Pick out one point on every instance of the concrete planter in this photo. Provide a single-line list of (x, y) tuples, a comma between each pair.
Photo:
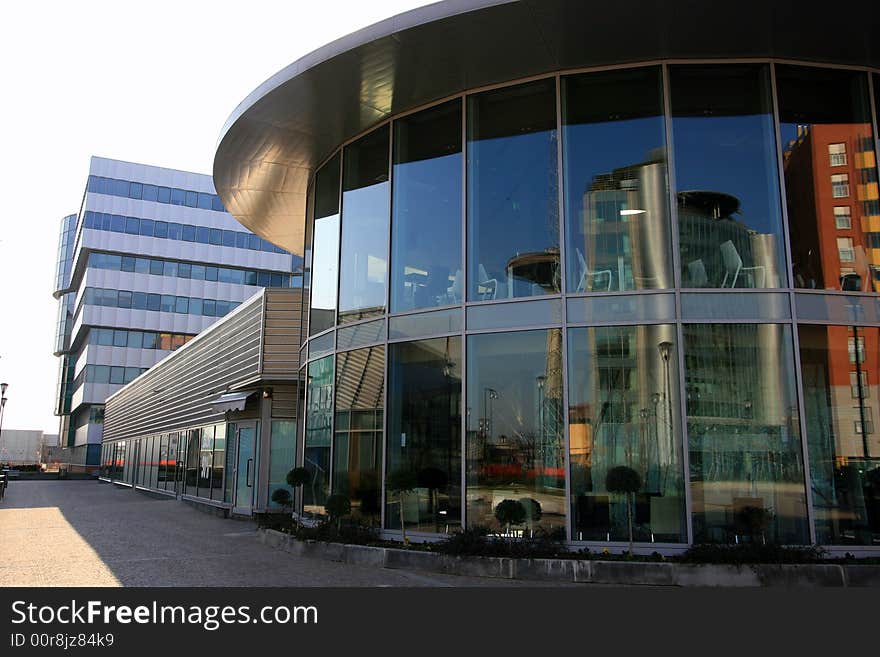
[(622, 573)]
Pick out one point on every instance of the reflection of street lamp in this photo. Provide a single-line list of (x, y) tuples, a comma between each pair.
[(665, 350), (489, 394), (3, 387)]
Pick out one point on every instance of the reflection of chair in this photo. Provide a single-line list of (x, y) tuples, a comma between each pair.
[(454, 290), (733, 265), (487, 287), (697, 273), (586, 274)]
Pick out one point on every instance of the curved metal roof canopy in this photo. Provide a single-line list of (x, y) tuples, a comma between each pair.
[(272, 141)]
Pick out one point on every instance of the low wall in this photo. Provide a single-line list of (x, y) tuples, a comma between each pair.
[(581, 570)]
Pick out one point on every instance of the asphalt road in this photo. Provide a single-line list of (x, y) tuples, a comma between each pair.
[(85, 533)]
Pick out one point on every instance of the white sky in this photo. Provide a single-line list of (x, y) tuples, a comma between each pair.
[(149, 82)]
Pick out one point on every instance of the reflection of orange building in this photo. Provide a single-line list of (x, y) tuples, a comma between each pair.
[(834, 212)]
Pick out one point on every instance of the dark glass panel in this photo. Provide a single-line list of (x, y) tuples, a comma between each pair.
[(217, 469), (357, 451), (318, 423), (427, 206), (327, 189), (282, 457), (216, 237), (175, 231), (830, 177), (624, 411), (191, 199), (840, 366), (364, 242), (132, 225), (164, 195), (424, 429), (184, 270), (203, 234), (726, 173), (161, 229), (513, 205), (205, 201), (515, 415), (228, 238), (135, 190), (616, 196), (746, 470)]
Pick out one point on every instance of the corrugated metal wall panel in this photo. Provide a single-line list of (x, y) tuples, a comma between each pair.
[(281, 334), (284, 401), (176, 393)]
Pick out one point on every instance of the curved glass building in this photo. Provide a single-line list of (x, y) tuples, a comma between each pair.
[(544, 241)]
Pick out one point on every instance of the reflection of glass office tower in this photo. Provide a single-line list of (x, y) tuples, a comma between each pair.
[(151, 259), (624, 219)]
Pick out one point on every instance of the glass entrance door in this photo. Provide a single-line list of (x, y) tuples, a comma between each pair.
[(245, 469)]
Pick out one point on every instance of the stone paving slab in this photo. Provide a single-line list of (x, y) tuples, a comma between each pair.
[(86, 533)]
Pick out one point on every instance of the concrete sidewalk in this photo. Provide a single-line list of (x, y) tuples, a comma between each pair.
[(85, 533)]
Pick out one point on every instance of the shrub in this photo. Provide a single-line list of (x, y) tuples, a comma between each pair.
[(751, 553), (298, 477), (281, 497)]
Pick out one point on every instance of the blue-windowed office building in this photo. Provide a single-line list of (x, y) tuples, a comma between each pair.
[(544, 239), (151, 259)]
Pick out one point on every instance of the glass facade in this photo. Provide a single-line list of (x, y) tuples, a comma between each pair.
[(705, 311), (426, 217), (617, 200), (363, 261), (424, 433), (358, 429), (512, 200)]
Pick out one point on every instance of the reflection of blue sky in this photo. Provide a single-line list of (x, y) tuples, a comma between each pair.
[(426, 227), (512, 202), (735, 155), (364, 247), (325, 262)]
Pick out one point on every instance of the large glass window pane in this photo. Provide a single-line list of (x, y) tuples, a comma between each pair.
[(424, 430), (616, 197), (841, 393), (191, 478), (515, 447), (325, 255), (426, 220), (747, 475), (357, 446), (726, 173), (827, 138), (365, 199), (206, 462), (282, 456), (319, 422), (513, 205), (624, 411), (217, 481)]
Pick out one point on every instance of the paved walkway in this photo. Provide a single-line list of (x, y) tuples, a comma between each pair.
[(85, 533)]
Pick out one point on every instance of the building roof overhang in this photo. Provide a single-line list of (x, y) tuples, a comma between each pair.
[(272, 142)]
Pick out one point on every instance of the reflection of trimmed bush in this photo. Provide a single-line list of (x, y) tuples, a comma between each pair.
[(281, 497), (337, 506), (533, 511), (623, 480), (298, 477), (510, 512), (401, 482)]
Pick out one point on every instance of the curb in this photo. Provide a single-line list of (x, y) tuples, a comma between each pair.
[(581, 570)]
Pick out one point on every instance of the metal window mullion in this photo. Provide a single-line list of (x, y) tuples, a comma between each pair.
[(463, 405), (384, 441)]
